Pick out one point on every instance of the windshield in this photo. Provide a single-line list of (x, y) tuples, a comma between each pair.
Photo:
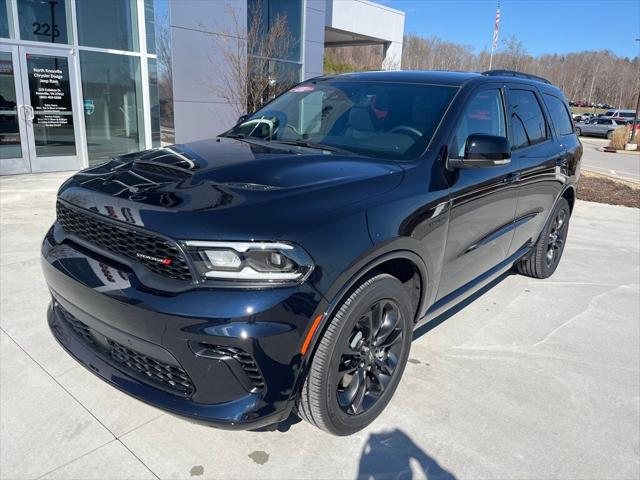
[(384, 120)]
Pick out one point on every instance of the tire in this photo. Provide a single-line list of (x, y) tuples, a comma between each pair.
[(325, 397), (540, 263), (578, 131)]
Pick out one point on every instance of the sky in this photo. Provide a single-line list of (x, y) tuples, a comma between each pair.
[(544, 26)]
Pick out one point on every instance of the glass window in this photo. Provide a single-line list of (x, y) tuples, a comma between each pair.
[(154, 100), (44, 20), (50, 96), (386, 120), (266, 13), (559, 115), (108, 24), (112, 97), (5, 19), (9, 127), (526, 118), (149, 25), (484, 114)]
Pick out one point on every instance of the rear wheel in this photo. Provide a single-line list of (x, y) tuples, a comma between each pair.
[(360, 359), (578, 131), (543, 260), (610, 134)]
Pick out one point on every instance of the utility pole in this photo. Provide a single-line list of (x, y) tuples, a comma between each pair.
[(634, 124)]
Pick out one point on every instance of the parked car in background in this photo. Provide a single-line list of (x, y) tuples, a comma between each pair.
[(619, 114), (583, 117), (599, 127)]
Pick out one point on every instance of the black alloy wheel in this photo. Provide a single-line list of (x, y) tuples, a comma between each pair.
[(370, 358), (360, 357), (556, 238), (545, 255)]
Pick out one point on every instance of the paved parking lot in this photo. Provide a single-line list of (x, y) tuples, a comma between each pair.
[(625, 165), (534, 379)]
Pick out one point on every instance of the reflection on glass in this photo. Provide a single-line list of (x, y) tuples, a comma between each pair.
[(160, 71), (154, 100), (9, 128), (44, 20), (149, 23), (108, 24), (5, 18), (112, 98), (50, 96), (268, 11)]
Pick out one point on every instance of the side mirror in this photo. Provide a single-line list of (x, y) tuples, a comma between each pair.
[(484, 151)]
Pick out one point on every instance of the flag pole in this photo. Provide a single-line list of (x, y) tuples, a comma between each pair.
[(494, 43)]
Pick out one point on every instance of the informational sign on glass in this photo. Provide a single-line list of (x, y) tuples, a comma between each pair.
[(50, 95)]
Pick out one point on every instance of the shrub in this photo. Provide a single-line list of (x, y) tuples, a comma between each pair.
[(620, 137)]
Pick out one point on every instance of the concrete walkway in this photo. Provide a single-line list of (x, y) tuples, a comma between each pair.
[(534, 379)]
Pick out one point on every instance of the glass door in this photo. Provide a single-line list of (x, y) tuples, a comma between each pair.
[(39, 110), (14, 150), (51, 108)]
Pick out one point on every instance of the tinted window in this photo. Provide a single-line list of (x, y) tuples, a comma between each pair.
[(527, 119), (44, 21), (484, 114), (604, 121), (111, 86), (559, 115), (627, 114), (108, 24), (386, 120)]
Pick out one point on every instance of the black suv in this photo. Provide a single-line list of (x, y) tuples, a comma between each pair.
[(284, 264)]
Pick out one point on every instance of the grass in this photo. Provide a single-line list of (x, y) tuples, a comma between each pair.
[(594, 187), (597, 111)]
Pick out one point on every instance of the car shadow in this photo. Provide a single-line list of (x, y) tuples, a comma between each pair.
[(393, 455), (440, 319)]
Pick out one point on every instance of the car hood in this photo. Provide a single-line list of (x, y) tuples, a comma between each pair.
[(230, 189)]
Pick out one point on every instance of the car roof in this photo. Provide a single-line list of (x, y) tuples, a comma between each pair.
[(440, 77)]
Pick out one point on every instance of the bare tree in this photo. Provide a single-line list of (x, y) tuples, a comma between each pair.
[(249, 74), (600, 76)]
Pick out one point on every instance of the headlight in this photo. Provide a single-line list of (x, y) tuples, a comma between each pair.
[(251, 262)]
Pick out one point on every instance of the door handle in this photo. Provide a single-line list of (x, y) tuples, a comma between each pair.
[(512, 177), (31, 113)]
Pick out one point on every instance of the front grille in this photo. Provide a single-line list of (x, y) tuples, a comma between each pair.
[(155, 372), (245, 360), (127, 242)]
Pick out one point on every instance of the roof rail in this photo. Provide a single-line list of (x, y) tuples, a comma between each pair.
[(513, 73)]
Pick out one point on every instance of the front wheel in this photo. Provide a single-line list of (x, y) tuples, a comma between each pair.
[(545, 256), (360, 358)]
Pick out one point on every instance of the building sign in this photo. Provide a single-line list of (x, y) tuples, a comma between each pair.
[(50, 91)]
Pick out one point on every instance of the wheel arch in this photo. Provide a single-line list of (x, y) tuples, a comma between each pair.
[(398, 261)]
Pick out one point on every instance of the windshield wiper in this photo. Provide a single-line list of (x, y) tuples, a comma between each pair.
[(233, 135), (303, 143)]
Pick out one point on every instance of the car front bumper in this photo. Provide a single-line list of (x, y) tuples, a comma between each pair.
[(226, 357)]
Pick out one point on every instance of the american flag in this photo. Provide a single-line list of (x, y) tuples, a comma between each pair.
[(495, 30)]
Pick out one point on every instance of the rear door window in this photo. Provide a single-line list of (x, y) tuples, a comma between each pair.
[(527, 120), (559, 115)]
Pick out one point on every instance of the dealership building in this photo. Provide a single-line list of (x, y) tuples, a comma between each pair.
[(84, 80)]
